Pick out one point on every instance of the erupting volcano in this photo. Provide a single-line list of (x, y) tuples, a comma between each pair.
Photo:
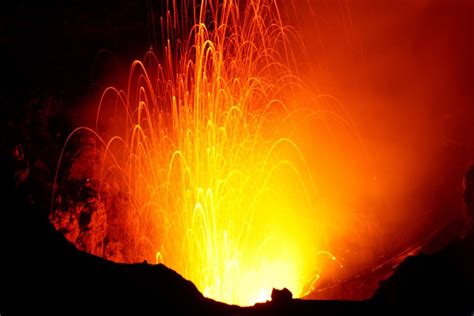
[(196, 162), (242, 157)]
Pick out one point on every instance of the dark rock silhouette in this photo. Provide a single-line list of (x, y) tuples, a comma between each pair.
[(283, 296), (441, 282), (43, 271)]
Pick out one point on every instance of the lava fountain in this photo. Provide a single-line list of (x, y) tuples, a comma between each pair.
[(198, 150)]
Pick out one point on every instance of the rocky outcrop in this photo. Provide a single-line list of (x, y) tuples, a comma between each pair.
[(441, 283)]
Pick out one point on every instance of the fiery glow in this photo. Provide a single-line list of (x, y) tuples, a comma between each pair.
[(199, 147)]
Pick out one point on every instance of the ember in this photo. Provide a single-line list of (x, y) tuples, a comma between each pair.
[(196, 164)]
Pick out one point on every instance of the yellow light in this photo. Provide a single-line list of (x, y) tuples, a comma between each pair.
[(199, 145)]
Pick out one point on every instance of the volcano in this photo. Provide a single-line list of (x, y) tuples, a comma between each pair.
[(205, 156)]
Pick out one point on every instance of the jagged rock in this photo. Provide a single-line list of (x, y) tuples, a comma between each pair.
[(113, 250), (83, 222), (442, 281), (283, 296)]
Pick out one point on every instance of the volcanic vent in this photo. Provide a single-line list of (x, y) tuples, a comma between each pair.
[(193, 165)]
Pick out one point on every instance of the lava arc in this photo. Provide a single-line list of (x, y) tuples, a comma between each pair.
[(198, 150)]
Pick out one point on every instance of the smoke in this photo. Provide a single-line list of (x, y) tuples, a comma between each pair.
[(399, 74)]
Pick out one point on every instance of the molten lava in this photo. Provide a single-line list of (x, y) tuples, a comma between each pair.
[(198, 149)]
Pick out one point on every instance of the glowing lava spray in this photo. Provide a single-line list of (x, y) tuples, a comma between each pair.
[(199, 146)]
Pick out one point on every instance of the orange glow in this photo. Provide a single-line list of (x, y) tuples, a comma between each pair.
[(200, 146), (259, 141)]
